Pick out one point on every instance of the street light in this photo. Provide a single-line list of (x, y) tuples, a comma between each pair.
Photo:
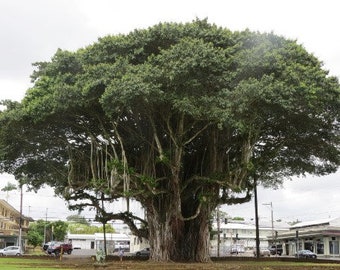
[(272, 219)]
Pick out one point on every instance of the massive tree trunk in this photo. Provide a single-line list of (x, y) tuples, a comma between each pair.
[(173, 238), (195, 243), (160, 237), (164, 231)]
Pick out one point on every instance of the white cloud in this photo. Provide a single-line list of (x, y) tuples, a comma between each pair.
[(13, 89), (300, 198)]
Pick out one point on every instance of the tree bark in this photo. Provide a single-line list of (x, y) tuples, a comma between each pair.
[(161, 237), (173, 239), (195, 243)]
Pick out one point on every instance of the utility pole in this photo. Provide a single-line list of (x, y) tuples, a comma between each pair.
[(104, 221), (272, 219), (256, 220), (218, 231), (45, 227), (20, 220)]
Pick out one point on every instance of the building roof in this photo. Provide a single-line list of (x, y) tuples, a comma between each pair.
[(80, 236), (13, 210), (315, 228), (112, 236), (99, 236), (10, 207), (319, 222), (245, 226)]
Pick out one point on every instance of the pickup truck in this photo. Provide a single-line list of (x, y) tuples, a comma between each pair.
[(60, 248)]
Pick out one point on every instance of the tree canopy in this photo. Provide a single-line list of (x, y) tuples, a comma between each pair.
[(81, 228), (42, 230), (78, 219), (179, 117)]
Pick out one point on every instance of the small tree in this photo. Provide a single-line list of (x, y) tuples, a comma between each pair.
[(9, 187), (55, 230), (36, 232), (34, 238), (59, 230)]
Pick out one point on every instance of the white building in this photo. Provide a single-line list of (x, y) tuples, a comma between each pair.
[(138, 243), (319, 236), (242, 236), (95, 241)]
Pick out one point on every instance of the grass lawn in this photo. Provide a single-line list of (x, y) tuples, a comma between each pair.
[(24, 263), (10, 263)]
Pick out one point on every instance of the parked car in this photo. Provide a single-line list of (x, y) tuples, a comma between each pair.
[(143, 253), (11, 251), (58, 248), (264, 252), (305, 253), (276, 249), (47, 245), (122, 246), (235, 249)]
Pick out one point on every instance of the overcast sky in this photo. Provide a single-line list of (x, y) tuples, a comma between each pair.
[(32, 31)]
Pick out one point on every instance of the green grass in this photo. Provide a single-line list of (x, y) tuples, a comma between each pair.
[(29, 264), (47, 263)]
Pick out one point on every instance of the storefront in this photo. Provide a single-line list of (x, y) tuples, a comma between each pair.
[(321, 237)]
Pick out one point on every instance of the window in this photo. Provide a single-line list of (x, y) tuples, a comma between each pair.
[(320, 248), (334, 247)]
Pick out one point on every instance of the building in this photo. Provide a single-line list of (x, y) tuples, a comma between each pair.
[(242, 237), (10, 225), (138, 243), (320, 236), (114, 241)]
